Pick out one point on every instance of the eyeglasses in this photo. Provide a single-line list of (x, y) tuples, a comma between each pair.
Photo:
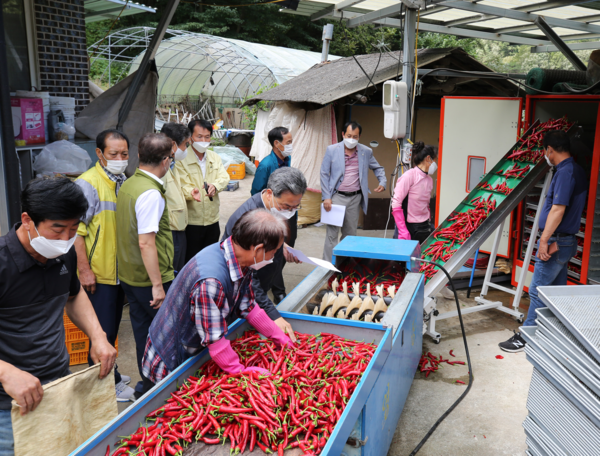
[(287, 207)]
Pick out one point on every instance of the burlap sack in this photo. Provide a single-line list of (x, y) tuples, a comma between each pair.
[(73, 409)]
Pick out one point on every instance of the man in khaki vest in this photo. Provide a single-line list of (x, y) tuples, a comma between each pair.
[(144, 241)]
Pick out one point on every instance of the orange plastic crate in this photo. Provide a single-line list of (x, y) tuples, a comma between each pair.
[(78, 358), (80, 345), (74, 333)]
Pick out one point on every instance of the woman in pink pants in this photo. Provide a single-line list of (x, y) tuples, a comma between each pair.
[(410, 204)]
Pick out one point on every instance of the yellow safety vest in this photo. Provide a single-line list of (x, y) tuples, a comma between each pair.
[(99, 227)]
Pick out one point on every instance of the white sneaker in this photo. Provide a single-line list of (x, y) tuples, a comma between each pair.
[(124, 392), (125, 379)]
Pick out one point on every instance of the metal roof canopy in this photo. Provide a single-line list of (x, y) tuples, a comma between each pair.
[(512, 21), (99, 10)]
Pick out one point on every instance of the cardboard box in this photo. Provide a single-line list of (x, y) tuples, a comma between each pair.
[(28, 119)]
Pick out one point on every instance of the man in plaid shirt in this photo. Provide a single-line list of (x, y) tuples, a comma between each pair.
[(211, 291)]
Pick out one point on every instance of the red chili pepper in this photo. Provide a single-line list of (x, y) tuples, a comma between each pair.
[(461, 382), (452, 353)]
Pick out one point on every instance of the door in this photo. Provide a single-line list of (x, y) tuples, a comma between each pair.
[(475, 133)]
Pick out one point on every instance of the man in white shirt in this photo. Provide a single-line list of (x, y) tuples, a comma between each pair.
[(144, 242)]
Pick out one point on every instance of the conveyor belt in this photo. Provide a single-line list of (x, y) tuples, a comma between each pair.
[(505, 204)]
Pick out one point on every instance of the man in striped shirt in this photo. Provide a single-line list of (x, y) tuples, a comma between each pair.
[(212, 291)]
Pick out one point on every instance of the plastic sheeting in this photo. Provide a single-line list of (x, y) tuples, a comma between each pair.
[(312, 133), (233, 156)]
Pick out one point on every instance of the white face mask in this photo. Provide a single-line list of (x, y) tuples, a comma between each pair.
[(50, 248), (548, 160), (201, 146), (261, 264), (350, 143), (287, 150), (180, 154), (432, 168), (287, 214), (115, 166)]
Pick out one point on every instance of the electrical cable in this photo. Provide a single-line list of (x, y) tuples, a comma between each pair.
[(496, 76), (462, 328)]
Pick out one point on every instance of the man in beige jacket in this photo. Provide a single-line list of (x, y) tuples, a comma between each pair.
[(202, 177), (178, 216)]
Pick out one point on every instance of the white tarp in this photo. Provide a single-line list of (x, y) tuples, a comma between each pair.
[(312, 132)]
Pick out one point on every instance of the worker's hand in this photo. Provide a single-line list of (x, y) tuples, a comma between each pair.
[(23, 387), (158, 295), (88, 280), (289, 257), (212, 190), (286, 328), (327, 205), (196, 195), (104, 353), (379, 189), (543, 251)]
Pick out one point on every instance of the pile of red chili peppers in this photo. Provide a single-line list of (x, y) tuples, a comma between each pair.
[(434, 363), (463, 224), (373, 272), (297, 406)]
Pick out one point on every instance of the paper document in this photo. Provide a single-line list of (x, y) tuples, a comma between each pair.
[(335, 216), (310, 260)]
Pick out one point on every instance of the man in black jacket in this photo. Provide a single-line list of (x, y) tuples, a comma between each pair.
[(283, 194)]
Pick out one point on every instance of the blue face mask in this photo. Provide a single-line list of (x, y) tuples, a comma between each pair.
[(172, 165)]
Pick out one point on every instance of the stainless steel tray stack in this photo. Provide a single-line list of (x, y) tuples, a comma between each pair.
[(564, 395)]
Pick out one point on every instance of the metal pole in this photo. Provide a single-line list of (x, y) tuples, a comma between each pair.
[(10, 206), (327, 37), (408, 58), (144, 68)]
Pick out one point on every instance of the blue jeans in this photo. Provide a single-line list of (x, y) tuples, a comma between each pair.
[(7, 443), (551, 272)]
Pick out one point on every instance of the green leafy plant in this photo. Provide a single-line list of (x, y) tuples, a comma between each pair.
[(251, 112)]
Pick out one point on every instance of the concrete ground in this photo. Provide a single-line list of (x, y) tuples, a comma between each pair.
[(488, 420)]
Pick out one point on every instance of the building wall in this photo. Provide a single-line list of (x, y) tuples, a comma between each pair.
[(62, 49)]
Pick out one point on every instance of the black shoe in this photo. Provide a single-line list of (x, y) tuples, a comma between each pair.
[(513, 345), (278, 298)]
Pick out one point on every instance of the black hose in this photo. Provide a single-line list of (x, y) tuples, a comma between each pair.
[(462, 327)]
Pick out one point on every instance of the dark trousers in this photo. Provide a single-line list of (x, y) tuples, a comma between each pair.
[(418, 231), (108, 301), (199, 237), (141, 315), (180, 244), (278, 286)]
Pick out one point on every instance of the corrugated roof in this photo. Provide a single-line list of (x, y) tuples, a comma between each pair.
[(99, 10), (327, 82)]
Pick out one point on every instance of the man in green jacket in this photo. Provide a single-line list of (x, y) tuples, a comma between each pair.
[(144, 243)]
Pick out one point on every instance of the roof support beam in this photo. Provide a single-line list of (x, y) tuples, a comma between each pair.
[(560, 44), (525, 9), (526, 28), (520, 16), (574, 47), (472, 33), (325, 12), (393, 10)]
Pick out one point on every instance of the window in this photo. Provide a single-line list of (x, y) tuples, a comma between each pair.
[(20, 43), (475, 171)]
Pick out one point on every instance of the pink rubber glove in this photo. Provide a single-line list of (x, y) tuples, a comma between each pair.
[(398, 214), (222, 354), (258, 370), (264, 325)]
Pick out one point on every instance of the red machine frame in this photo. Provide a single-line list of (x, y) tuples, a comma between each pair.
[(531, 101)]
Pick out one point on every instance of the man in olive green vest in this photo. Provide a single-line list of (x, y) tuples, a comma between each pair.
[(144, 241)]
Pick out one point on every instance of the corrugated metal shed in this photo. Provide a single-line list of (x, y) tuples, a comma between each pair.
[(327, 82)]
